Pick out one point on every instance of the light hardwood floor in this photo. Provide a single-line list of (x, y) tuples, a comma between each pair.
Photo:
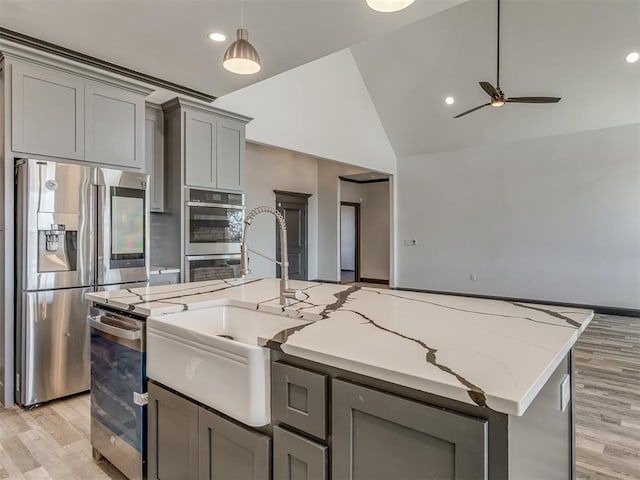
[(52, 441), (608, 399)]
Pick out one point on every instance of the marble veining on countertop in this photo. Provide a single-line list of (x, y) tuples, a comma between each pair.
[(492, 353)]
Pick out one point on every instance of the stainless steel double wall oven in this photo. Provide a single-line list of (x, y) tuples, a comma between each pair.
[(213, 234), (79, 229)]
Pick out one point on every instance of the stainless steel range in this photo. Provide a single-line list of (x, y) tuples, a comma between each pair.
[(80, 229)]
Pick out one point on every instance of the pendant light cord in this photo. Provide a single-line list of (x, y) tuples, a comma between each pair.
[(498, 54), (241, 13)]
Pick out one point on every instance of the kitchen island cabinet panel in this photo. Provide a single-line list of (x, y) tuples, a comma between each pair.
[(172, 436), (228, 451), (47, 112), (377, 435), (298, 458)]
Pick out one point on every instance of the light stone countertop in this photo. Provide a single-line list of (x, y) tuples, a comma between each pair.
[(492, 353)]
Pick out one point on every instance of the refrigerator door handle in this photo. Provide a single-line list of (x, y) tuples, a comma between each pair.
[(100, 194), (97, 323)]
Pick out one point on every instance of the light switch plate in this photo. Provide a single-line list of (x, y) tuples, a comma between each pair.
[(565, 392)]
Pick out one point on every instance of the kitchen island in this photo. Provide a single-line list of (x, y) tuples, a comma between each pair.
[(502, 369)]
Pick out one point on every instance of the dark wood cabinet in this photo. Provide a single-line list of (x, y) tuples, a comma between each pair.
[(189, 442), (298, 458), (172, 436), (228, 451), (377, 435)]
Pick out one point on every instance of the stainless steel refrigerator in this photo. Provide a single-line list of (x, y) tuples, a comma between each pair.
[(79, 229)]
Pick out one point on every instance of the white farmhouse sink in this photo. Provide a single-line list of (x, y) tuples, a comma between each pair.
[(230, 373)]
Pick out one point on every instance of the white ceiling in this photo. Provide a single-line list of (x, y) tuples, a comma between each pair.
[(574, 49), (168, 38)]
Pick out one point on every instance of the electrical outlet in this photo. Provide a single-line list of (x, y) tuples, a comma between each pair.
[(472, 277)]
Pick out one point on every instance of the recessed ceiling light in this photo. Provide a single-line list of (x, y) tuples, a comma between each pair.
[(633, 57), (217, 37), (449, 100)]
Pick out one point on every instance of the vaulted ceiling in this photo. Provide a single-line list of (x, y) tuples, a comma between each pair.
[(574, 49), (406, 62)]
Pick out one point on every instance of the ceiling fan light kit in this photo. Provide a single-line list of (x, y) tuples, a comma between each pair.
[(498, 98), (388, 6), (241, 57)]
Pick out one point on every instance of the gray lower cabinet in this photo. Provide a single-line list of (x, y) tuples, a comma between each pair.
[(172, 436), (47, 112), (299, 398), (154, 155), (188, 442), (298, 458), (377, 435), (114, 126), (228, 451)]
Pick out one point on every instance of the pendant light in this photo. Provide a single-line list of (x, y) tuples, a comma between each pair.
[(389, 5), (241, 57)]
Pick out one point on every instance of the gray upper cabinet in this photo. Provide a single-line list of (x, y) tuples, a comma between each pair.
[(114, 126), (207, 143), (230, 151), (377, 435), (47, 112), (57, 113), (154, 156), (200, 149)]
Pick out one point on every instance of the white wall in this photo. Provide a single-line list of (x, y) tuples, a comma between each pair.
[(376, 231), (322, 109), (329, 197), (347, 237), (555, 218), (268, 169)]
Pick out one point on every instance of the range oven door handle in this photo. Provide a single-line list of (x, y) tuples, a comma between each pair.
[(97, 323)]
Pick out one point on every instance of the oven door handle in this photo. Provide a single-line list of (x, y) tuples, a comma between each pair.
[(216, 205), (191, 258), (97, 323)]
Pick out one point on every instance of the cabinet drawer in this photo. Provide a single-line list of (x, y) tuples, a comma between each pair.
[(297, 458), (299, 399)]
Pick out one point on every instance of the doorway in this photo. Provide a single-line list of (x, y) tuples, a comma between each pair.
[(349, 242), (293, 207)]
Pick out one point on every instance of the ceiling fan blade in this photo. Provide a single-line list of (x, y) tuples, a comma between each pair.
[(533, 99), (472, 110), (490, 89)]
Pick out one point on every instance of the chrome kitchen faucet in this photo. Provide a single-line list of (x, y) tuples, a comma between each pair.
[(286, 293)]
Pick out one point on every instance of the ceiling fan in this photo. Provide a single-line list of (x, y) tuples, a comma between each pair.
[(498, 98)]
